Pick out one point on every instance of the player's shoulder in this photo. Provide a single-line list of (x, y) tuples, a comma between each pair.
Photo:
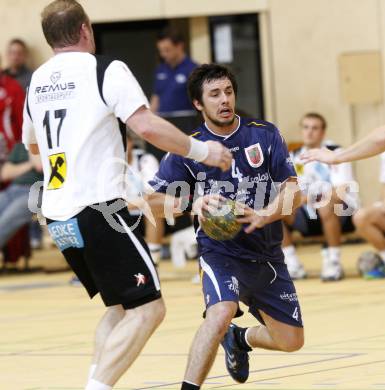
[(200, 133), (259, 124)]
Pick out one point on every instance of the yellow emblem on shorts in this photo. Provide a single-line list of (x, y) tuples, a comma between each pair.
[(58, 173)]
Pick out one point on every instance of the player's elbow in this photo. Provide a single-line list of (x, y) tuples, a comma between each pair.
[(142, 123)]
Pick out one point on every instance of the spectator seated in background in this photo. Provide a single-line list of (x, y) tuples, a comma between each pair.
[(17, 57), (21, 170), (11, 110), (370, 224), (170, 97), (317, 217)]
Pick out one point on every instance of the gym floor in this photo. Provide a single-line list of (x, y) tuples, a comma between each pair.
[(46, 332)]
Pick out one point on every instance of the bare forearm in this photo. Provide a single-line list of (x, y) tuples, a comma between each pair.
[(11, 171), (159, 132), (371, 145), (285, 203)]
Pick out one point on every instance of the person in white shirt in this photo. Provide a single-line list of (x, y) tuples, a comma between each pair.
[(70, 118), (314, 218)]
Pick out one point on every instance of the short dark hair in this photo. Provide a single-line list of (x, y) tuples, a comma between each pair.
[(315, 115), (208, 72), (172, 34), (61, 21), (18, 41)]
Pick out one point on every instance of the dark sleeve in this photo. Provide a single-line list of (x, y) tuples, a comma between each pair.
[(281, 164), (172, 169)]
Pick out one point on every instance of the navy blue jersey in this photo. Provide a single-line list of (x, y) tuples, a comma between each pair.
[(260, 163)]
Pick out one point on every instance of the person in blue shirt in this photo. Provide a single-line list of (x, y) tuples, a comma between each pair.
[(170, 97), (250, 267)]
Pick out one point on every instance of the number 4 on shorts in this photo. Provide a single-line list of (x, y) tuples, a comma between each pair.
[(295, 313)]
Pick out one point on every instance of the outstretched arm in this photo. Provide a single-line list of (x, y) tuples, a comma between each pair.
[(169, 138), (371, 145)]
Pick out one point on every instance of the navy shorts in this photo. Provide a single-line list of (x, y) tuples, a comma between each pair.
[(265, 286)]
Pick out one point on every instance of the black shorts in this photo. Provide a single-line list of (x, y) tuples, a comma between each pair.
[(108, 256), (310, 227)]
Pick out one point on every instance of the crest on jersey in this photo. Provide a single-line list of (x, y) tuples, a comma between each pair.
[(58, 165), (254, 155), (55, 77)]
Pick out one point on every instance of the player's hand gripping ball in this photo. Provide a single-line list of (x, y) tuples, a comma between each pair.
[(221, 223)]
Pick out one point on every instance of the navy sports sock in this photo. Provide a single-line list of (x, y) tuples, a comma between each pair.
[(189, 386)]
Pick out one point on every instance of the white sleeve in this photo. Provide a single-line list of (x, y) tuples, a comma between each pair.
[(122, 91), (382, 168), (28, 134)]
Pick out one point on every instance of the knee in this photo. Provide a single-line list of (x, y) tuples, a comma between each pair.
[(292, 342), (360, 219), (220, 315), (152, 313), (156, 313)]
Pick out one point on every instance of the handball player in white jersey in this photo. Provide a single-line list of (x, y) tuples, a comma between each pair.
[(70, 118)]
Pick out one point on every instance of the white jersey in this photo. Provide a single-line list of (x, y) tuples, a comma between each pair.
[(310, 173), (71, 112)]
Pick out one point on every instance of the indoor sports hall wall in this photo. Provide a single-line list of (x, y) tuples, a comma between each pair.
[(301, 43)]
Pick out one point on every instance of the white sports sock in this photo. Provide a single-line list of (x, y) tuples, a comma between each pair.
[(95, 385), (289, 251), (291, 258), (382, 255), (91, 371), (334, 253)]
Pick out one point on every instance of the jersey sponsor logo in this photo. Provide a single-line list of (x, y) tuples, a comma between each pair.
[(254, 155), (66, 234), (55, 77), (58, 164), (55, 91), (233, 285), (55, 87), (292, 297), (180, 78), (140, 279), (299, 168), (161, 76)]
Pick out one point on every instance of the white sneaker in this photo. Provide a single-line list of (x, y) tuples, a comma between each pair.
[(196, 279), (295, 268), (332, 271)]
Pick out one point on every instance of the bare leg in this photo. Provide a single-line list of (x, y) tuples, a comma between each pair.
[(331, 225), (127, 339), (370, 224), (275, 335), (205, 345), (108, 322)]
